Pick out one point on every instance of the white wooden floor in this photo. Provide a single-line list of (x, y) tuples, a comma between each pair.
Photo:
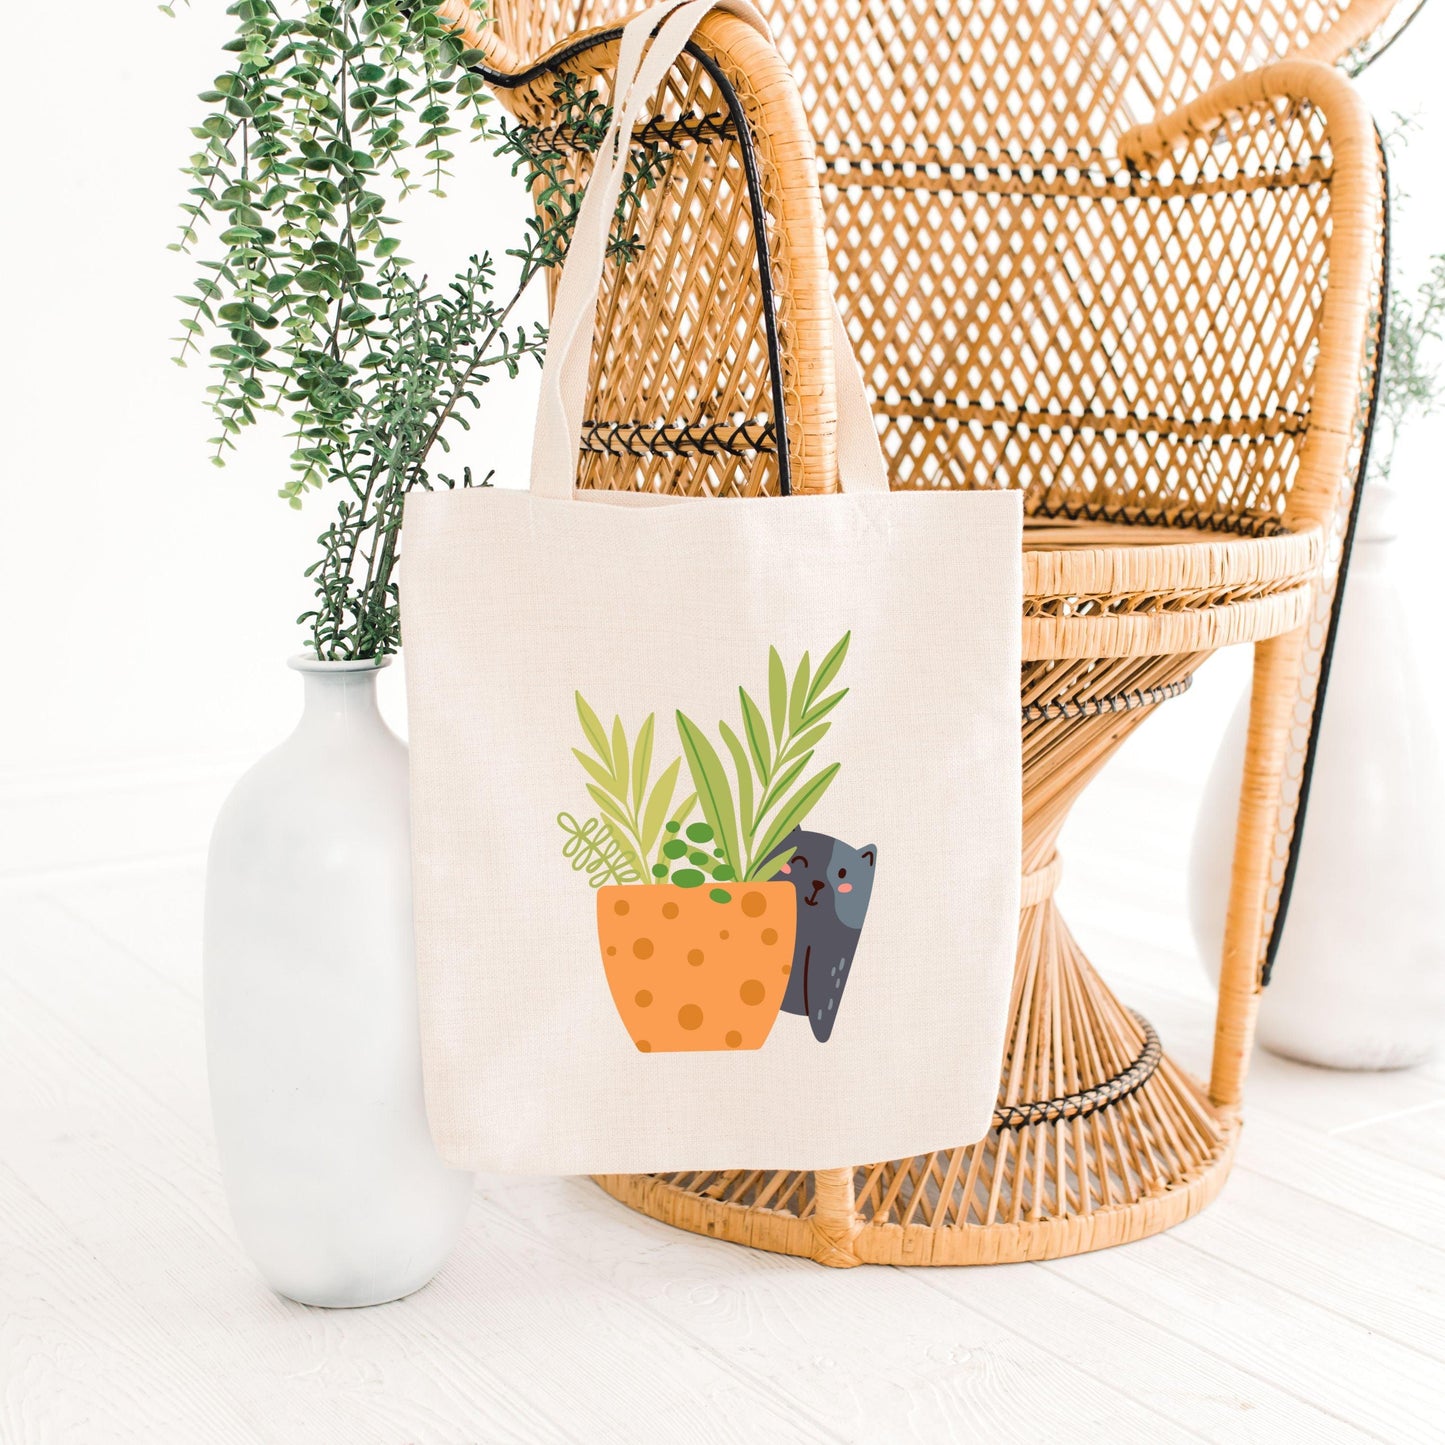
[(1307, 1304)]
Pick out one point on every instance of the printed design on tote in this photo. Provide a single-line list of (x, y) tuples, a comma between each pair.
[(710, 927)]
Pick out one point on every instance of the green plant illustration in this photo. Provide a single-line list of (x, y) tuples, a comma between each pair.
[(592, 850), (752, 811), (747, 810), (634, 816)]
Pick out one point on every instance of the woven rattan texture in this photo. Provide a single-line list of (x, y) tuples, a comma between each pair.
[(700, 369), (1119, 258), (1030, 312), (1120, 343)]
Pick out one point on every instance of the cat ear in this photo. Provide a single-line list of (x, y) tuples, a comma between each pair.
[(871, 854)]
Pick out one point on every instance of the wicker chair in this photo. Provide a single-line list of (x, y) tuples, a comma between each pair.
[(1126, 259)]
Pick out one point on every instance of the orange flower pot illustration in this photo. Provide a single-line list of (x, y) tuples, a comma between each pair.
[(689, 972)]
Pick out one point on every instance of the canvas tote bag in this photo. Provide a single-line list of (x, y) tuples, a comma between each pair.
[(715, 804)]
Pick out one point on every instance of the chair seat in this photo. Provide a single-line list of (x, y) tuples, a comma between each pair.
[(1117, 589)]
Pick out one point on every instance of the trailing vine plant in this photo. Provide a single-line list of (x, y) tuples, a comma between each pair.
[(327, 115)]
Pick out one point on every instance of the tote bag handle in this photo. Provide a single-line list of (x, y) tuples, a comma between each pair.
[(558, 434)]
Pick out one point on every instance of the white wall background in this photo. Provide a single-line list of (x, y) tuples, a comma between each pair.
[(150, 598)]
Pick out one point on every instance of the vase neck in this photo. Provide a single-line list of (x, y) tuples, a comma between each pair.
[(337, 696)]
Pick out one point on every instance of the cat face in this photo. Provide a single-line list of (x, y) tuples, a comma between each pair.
[(829, 874)]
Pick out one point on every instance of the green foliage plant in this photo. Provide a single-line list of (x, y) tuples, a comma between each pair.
[(635, 811), (752, 810), (747, 814), (325, 116), (592, 850)]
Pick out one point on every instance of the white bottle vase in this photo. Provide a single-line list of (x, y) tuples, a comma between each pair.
[(1359, 980), (311, 1011)]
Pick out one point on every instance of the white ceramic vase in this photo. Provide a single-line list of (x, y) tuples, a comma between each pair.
[(311, 1011), (1359, 980)]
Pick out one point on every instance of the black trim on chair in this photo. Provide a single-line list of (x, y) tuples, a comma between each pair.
[(1327, 655), (552, 65)]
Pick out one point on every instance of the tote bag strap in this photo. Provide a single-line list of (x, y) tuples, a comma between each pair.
[(574, 315)]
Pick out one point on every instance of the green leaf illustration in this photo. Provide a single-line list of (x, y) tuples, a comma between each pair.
[(822, 709), (799, 694), (744, 776), (592, 727), (713, 790), (610, 808), (827, 670), (625, 845), (619, 757), (757, 734), (655, 814), (777, 693), (769, 867), (593, 850), (642, 763), (806, 743), (781, 784), (596, 770), (792, 813)]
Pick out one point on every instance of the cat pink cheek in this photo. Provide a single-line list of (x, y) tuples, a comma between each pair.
[(785, 869), (845, 888)]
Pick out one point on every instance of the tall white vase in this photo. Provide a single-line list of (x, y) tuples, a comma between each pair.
[(1359, 980), (311, 1011)]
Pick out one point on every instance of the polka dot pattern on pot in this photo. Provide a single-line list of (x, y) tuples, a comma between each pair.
[(690, 972)]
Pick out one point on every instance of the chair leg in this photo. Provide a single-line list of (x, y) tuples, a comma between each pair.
[(835, 1218), (1272, 700)]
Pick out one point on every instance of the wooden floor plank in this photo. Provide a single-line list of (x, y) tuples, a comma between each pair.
[(1305, 1304), (81, 1360), (1413, 1136), (1404, 1197), (450, 1357), (880, 1353), (1163, 1363), (1368, 1383)]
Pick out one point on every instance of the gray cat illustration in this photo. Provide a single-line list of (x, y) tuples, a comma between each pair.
[(834, 883)]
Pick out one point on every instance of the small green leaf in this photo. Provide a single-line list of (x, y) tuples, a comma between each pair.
[(799, 694), (780, 785), (619, 757), (720, 895), (822, 709), (797, 808), (713, 790), (777, 693), (597, 771), (769, 867), (827, 669), (592, 727), (642, 764), (658, 804), (806, 742), (757, 734), (625, 845), (689, 878), (608, 804), (745, 783)]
